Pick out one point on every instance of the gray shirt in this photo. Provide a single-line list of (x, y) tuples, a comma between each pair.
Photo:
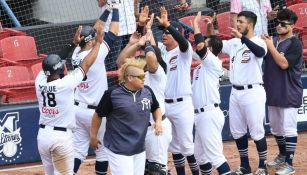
[(128, 115)]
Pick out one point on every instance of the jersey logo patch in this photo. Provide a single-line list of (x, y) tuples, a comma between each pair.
[(145, 104), (173, 63), (246, 56), (83, 86)]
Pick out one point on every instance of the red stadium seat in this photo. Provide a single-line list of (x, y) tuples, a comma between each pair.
[(15, 76), (292, 2), (7, 32), (36, 68), (16, 84), (301, 11), (223, 20), (19, 50)]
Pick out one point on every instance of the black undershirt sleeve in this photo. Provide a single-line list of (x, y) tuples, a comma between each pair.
[(258, 51), (105, 106), (294, 53), (182, 42)]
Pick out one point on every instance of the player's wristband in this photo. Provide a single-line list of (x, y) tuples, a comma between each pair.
[(148, 48), (199, 38)]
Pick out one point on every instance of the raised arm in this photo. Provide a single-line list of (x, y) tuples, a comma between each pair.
[(163, 20), (257, 50), (91, 57), (130, 49), (201, 48)]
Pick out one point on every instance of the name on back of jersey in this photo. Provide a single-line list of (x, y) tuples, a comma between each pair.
[(47, 88)]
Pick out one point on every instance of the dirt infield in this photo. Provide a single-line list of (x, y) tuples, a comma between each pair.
[(87, 168)]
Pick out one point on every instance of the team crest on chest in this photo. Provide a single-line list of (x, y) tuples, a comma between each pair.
[(173, 63), (246, 56), (145, 104)]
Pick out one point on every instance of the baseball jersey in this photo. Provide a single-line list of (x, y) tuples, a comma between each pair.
[(56, 98), (178, 71), (127, 21), (157, 82), (245, 68), (92, 88), (205, 83), (261, 9)]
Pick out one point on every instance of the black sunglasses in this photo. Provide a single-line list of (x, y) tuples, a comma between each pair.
[(283, 24)]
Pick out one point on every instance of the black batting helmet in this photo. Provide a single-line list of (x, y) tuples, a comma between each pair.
[(89, 33), (52, 65)]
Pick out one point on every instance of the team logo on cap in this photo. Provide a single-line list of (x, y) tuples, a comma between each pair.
[(10, 139)]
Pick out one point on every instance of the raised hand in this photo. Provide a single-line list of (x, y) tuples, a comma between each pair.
[(143, 16), (77, 39), (163, 19), (150, 22), (99, 31), (268, 40), (235, 32), (134, 38)]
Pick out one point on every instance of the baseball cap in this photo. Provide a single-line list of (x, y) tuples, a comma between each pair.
[(175, 24)]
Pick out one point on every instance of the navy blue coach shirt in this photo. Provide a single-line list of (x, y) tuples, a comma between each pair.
[(284, 87), (128, 115)]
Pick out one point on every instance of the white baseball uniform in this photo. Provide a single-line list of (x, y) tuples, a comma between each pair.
[(87, 96), (247, 98), (57, 119), (157, 146), (179, 105), (209, 118)]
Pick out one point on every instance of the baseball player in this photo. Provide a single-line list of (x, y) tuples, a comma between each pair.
[(247, 98), (55, 94), (177, 53), (155, 77), (91, 89), (282, 68), (209, 118), (127, 108)]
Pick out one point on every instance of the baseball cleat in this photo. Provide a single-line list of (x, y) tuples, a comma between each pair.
[(261, 171), (285, 169), (242, 171), (279, 160)]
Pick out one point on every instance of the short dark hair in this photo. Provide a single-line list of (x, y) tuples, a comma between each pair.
[(216, 44), (287, 15), (250, 16)]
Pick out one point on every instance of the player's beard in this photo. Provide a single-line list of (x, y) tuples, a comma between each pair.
[(245, 32)]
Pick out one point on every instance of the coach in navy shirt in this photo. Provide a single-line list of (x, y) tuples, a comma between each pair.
[(127, 108), (284, 89)]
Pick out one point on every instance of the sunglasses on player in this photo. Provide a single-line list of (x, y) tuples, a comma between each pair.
[(283, 24), (140, 77)]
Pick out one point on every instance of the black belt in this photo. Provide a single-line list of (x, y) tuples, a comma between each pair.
[(250, 86), (173, 100), (54, 128), (163, 117), (196, 111), (88, 106)]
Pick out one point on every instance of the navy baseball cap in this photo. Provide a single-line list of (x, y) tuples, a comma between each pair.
[(175, 24)]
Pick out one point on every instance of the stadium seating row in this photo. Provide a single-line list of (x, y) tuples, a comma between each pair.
[(19, 65)]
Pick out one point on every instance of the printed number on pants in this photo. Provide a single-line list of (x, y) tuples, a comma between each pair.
[(51, 99)]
